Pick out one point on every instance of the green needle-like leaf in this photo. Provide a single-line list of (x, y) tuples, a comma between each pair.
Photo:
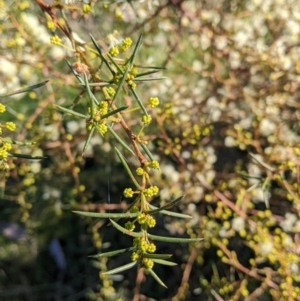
[(149, 79), (151, 272), (147, 73), (11, 141), (114, 112), (115, 63), (171, 204), (122, 268), (75, 73), (101, 55), (147, 151), (136, 48), (164, 262), (71, 112), (174, 239), (113, 253), (107, 215), (120, 140), (120, 84), (93, 99), (122, 159), (138, 101), (87, 141), (125, 231), (25, 156), (157, 256), (26, 89), (170, 213)]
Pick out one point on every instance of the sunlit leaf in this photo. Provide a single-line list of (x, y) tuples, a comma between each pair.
[(121, 268), (151, 272), (164, 262), (26, 156), (174, 239), (107, 215), (125, 231), (168, 205), (26, 89), (122, 159), (157, 256), (113, 253), (71, 112)]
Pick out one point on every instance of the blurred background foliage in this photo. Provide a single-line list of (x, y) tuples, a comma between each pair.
[(226, 136)]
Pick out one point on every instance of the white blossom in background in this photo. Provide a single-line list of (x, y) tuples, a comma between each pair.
[(289, 221), (267, 127), (265, 247), (36, 29), (229, 141), (220, 42), (171, 174), (238, 224)]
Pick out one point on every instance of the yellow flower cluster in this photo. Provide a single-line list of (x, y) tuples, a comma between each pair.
[(146, 219), (124, 46), (151, 191), (10, 126), (96, 118), (143, 245), (114, 51), (55, 40), (126, 43), (154, 164), (148, 263), (4, 148), (146, 119), (140, 171), (153, 102), (86, 9), (130, 226), (128, 193)]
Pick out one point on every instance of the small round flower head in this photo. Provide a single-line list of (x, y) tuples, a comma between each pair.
[(7, 146), (142, 218), (153, 102), (3, 153), (129, 226), (151, 222), (111, 91), (131, 83), (101, 129), (155, 190), (148, 263), (128, 193), (114, 51), (103, 108), (86, 9), (119, 15), (151, 248), (134, 71), (135, 256), (154, 164), (126, 43), (151, 191), (51, 25), (134, 209), (2, 108), (146, 119), (10, 126), (140, 171), (55, 40)]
